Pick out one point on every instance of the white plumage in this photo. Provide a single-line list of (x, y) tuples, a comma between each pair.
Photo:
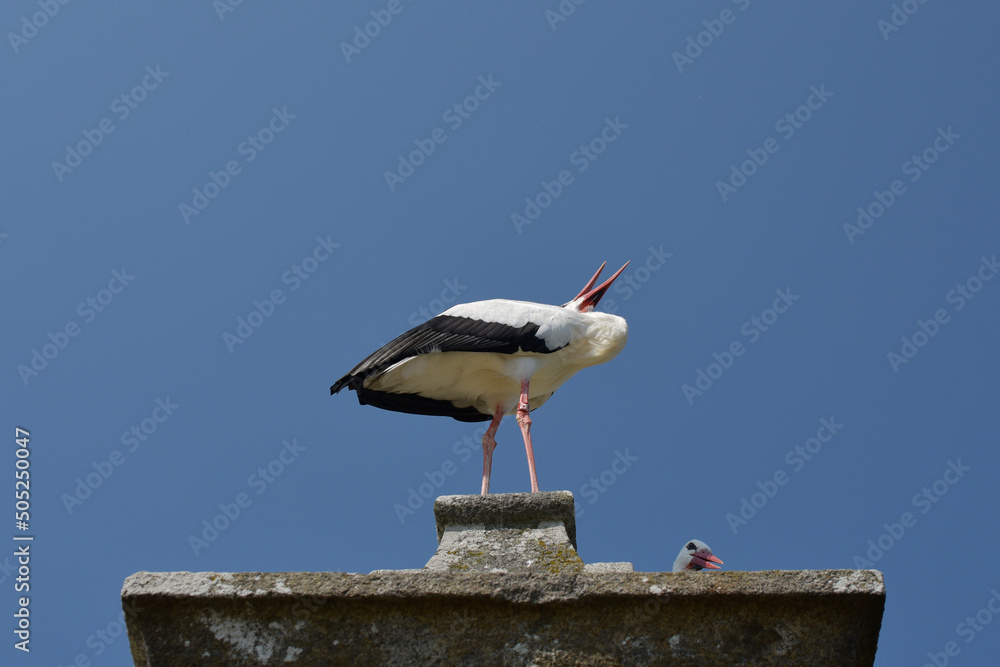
[(696, 555), (484, 380), (480, 361)]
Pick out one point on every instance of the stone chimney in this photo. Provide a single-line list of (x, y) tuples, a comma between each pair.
[(505, 587)]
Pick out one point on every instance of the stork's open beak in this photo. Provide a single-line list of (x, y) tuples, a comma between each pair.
[(592, 296), (706, 560)]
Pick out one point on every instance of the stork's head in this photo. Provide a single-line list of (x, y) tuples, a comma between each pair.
[(590, 295), (696, 555)]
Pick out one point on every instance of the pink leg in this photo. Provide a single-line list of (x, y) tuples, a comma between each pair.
[(524, 421), (489, 444)]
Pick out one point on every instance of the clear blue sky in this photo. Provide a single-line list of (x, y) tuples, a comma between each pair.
[(171, 168)]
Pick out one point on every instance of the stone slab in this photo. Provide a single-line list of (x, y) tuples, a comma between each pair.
[(506, 510), (506, 532), (812, 617)]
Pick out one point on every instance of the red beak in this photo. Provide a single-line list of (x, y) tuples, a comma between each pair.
[(592, 296), (706, 560)]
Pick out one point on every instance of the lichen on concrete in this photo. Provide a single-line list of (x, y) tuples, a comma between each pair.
[(558, 558), (511, 532), (506, 587), (245, 637), (826, 617)]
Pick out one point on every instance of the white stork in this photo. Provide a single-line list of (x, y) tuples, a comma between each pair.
[(476, 361), (696, 555)]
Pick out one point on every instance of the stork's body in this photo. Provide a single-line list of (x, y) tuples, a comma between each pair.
[(480, 361)]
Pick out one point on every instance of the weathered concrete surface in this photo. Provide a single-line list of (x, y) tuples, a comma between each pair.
[(506, 587), (506, 532), (506, 510), (608, 567), (820, 617)]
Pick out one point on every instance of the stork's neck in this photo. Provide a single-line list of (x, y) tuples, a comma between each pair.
[(607, 335)]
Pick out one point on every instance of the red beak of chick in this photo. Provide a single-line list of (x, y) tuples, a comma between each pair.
[(705, 560)]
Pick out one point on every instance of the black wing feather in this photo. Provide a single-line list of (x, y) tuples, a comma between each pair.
[(445, 333), (415, 404)]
